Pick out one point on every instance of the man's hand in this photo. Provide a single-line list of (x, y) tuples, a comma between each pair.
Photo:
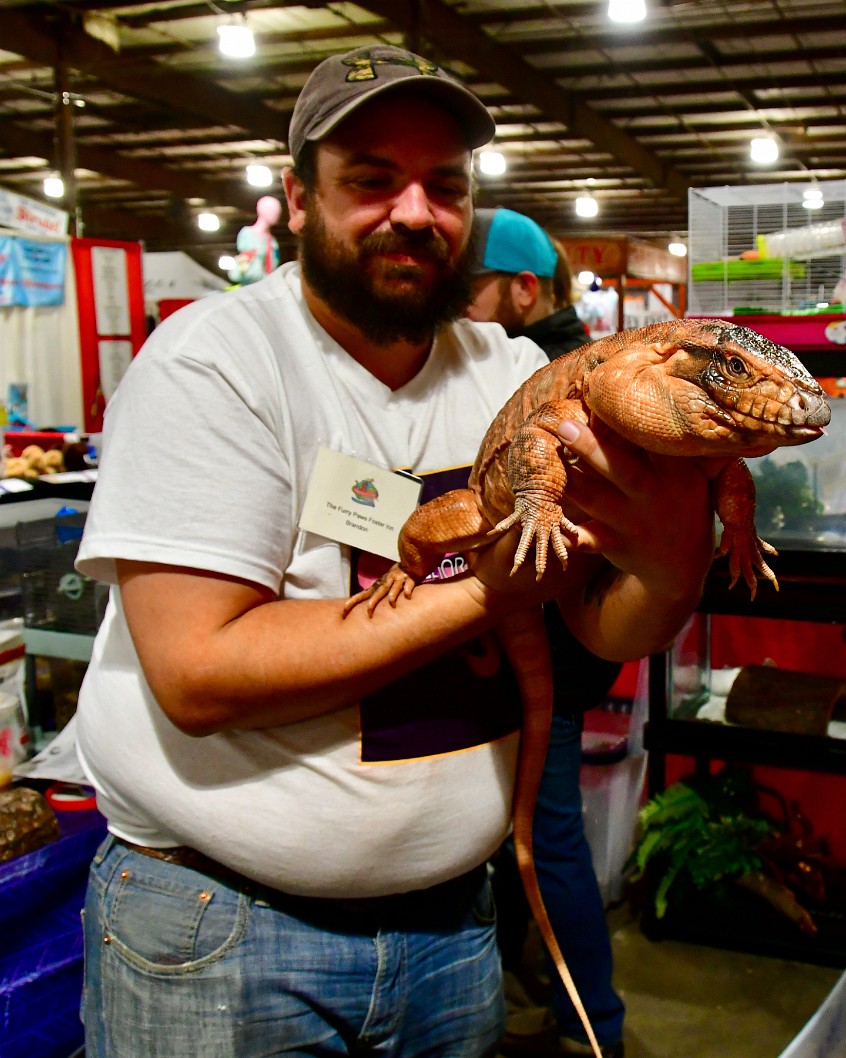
[(649, 515), (645, 528)]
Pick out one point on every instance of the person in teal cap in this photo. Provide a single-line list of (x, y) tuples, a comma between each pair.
[(521, 280)]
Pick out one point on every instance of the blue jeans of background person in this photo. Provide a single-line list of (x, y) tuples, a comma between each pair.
[(178, 965), (570, 892)]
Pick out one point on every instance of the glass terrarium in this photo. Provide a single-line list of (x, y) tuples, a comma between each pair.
[(801, 492), (733, 679)]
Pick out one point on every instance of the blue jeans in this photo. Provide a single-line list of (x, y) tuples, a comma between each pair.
[(178, 965), (570, 892)]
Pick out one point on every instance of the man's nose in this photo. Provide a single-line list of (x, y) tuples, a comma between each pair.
[(412, 208)]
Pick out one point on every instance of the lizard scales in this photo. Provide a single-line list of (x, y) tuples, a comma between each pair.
[(704, 389)]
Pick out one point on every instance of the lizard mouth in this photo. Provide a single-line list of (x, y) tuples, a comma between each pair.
[(763, 436), (801, 418)]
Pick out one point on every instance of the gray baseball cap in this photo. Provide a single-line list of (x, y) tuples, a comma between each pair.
[(341, 83)]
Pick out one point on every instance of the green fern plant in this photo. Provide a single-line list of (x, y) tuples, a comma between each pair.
[(688, 835)]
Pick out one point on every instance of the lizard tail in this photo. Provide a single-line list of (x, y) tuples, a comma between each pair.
[(523, 637)]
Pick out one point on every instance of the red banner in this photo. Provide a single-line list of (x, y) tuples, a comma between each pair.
[(110, 301)]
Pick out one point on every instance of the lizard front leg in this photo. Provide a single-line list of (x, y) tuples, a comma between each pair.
[(451, 522), (734, 501), (537, 474)]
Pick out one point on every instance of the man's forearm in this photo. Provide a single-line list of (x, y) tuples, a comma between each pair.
[(278, 662)]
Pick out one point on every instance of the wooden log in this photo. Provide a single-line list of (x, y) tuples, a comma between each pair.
[(773, 699)]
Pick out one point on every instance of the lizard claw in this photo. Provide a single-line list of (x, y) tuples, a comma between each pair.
[(541, 523), (390, 586), (746, 555)]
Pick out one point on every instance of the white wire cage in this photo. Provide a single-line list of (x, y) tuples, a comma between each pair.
[(760, 249)]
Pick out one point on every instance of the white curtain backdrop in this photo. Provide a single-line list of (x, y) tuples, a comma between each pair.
[(40, 346)]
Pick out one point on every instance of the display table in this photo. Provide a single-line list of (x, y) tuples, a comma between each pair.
[(41, 896)]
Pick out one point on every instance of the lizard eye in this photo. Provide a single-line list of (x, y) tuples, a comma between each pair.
[(736, 366)]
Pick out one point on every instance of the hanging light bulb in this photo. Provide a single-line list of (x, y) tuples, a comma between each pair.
[(492, 163), (586, 206), (208, 221), (627, 10), (259, 175), (54, 186), (225, 262), (677, 249), (763, 150), (812, 198), (236, 40)]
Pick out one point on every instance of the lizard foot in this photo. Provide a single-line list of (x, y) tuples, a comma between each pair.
[(389, 586), (746, 555), (541, 523)]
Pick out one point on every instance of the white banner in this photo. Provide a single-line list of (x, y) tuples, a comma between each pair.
[(111, 289), (25, 214)]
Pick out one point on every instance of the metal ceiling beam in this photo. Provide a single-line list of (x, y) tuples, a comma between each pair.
[(36, 38), (648, 34), (23, 142), (456, 38), (739, 83), (710, 58), (104, 223)]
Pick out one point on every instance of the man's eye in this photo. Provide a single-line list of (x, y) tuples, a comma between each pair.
[(371, 183), (449, 191)]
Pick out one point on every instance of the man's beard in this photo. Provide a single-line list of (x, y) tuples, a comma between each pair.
[(342, 278)]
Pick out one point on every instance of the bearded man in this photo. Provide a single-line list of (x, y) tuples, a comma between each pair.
[(300, 807)]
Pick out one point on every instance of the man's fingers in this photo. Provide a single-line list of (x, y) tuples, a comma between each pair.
[(615, 459)]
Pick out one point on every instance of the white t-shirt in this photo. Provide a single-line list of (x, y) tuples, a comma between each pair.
[(209, 445)]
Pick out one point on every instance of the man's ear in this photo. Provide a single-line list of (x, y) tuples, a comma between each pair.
[(295, 194), (524, 290)]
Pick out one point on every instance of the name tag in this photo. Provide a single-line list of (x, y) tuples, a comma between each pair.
[(358, 503)]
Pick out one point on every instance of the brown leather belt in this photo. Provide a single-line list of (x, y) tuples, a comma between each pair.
[(421, 908)]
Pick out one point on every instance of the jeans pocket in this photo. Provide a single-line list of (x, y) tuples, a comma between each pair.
[(163, 918)]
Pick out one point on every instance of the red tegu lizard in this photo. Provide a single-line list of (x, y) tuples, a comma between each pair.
[(703, 389)]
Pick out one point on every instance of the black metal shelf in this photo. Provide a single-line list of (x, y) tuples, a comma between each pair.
[(812, 588), (700, 738), (738, 921)]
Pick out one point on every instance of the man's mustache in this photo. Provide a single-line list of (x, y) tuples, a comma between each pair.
[(428, 243)]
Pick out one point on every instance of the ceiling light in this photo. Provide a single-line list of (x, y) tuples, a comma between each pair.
[(236, 40), (812, 197), (627, 10), (54, 186), (586, 206), (677, 249), (763, 150), (259, 176), (226, 262), (208, 222), (492, 163)]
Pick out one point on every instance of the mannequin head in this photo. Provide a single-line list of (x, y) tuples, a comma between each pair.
[(268, 210)]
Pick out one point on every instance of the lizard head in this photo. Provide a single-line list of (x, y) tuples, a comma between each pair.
[(707, 387), (755, 389)]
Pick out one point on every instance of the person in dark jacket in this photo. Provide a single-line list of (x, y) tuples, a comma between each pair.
[(521, 280)]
